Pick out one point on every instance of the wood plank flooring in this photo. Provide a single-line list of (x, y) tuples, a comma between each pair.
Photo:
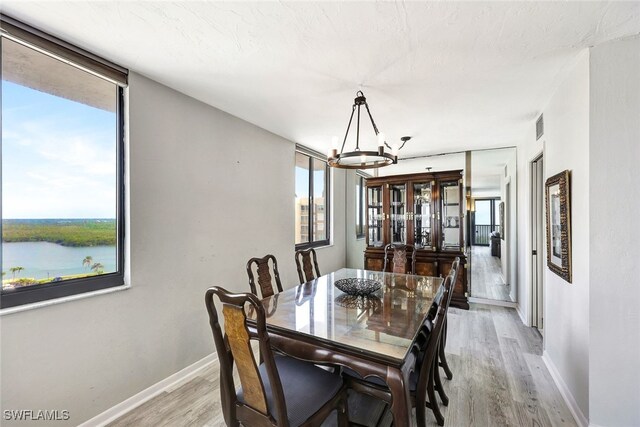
[(499, 380), (486, 276)]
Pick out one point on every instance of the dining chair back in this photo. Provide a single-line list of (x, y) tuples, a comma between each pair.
[(307, 265), (455, 270), (400, 262), (263, 267), (426, 363), (425, 351), (274, 393)]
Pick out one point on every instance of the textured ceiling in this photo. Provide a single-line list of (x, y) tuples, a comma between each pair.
[(453, 75)]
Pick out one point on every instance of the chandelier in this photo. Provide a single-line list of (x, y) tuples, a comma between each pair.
[(360, 159)]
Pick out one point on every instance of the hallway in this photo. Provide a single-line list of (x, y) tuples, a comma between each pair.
[(486, 276)]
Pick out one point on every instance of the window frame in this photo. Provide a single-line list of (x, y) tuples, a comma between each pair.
[(312, 155), (361, 179), (32, 38)]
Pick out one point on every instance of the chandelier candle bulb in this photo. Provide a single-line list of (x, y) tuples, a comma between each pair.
[(381, 139)]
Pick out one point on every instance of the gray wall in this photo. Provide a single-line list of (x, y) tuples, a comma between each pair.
[(208, 191)]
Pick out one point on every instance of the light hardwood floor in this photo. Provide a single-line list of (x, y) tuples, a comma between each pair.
[(499, 380), (486, 276)]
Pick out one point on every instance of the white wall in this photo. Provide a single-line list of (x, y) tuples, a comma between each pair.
[(566, 305), (614, 204), (208, 191), (354, 247)]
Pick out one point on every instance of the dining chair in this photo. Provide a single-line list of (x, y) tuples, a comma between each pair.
[(265, 279), (400, 261), (276, 392), (422, 376), (307, 265), (455, 268)]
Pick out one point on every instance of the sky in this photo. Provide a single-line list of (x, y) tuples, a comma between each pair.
[(58, 157), (302, 183)]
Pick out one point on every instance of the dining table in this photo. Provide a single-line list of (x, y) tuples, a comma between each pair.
[(369, 334)]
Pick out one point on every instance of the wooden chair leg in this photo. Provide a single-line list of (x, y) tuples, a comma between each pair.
[(441, 355), (438, 385), (432, 399)]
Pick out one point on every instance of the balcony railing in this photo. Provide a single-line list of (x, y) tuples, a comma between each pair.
[(481, 235)]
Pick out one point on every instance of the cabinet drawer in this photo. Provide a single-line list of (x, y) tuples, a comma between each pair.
[(373, 264), (427, 267)]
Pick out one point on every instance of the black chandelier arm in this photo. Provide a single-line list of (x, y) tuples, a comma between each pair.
[(375, 128), (346, 134), (358, 131), (404, 141)]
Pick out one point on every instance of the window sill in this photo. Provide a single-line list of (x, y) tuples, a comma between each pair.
[(330, 245), (40, 304), (315, 245)]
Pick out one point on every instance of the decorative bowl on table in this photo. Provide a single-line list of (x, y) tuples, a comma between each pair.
[(363, 302), (357, 286)]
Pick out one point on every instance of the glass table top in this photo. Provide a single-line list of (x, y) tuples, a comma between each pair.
[(383, 323)]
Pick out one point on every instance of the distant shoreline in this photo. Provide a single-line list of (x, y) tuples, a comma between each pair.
[(73, 232), (19, 282)]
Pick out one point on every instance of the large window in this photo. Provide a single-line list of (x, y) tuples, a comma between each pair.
[(311, 201), (62, 168), (361, 187)]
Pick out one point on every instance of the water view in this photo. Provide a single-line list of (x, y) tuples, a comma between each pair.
[(43, 260), (40, 250), (59, 174)]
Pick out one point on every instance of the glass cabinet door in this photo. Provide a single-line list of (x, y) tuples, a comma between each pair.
[(450, 239), (422, 215), (398, 212), (374, 216)]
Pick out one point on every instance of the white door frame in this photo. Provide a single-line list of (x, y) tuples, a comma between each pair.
[(536, 241)]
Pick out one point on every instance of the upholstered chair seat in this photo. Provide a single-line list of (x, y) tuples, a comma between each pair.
[(296, 376)]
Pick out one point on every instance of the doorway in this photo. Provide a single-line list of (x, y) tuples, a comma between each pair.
[(491, 180), (487, 275), (537, 244)]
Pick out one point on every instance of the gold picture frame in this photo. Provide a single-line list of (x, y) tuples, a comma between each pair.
[(558, 204)]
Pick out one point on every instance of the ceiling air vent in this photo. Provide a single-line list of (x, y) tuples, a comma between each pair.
[(539, 127)]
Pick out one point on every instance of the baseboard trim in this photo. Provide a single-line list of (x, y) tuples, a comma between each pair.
[(581, 420), (138, 399), (493, 302), (522, 316)]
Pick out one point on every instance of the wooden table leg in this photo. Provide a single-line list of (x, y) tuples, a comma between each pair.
[(400, 398)]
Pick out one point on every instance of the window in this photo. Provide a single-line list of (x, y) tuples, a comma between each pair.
[(361, 187), (62, 168), (311, 200)]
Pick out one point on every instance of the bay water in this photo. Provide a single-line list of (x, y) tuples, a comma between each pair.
[(42, 260)]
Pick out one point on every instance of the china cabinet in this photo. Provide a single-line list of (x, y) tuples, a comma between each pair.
[(426, 211)]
